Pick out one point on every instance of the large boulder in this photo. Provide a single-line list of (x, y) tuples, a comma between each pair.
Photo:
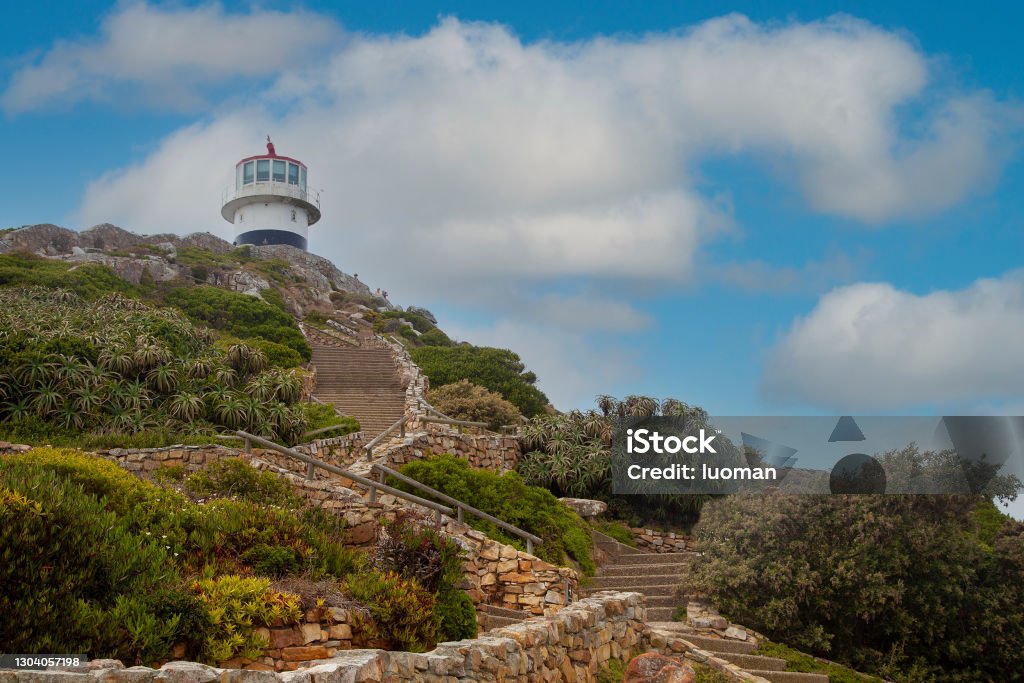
[(585, 507), (655, 668)]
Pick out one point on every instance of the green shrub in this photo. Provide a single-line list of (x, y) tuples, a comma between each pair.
[(612, 671), (457, 615), (508, 498), (88, 280), (320, 415), (617, 530), (800, 662), (237, 606), (435, 337), (233, 477), (435, 562), (498, 370), (396, 613), (240, 315), (121, 373), (277, 355), (93, 559), (570, 455), (464, 400), (904, 587), (77, 577)]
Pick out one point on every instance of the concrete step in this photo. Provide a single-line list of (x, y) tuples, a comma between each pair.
[(496, 611), (489, 622), (634, 581), (640, 569), (740, 647), (656, 558), (665, 589), (660, 613), (758, 662), (789, 676)]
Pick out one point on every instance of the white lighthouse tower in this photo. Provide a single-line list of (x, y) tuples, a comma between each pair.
[(270, 203)]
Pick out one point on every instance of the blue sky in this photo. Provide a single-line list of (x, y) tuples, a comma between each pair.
[(761, 208)]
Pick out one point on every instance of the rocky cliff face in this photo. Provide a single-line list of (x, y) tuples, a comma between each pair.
[(307, 281), (51, 240)]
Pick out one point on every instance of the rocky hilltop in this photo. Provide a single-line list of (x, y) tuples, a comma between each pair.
[(306, 280)]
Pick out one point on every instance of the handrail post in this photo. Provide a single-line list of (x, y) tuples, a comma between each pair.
[(402, 428), (248, 446), (529, 546), (373, 494), (459, 515), (310, 467)]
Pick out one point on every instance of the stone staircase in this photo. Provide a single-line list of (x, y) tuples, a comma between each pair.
[(360, 380), (657, 575), (661, 578)]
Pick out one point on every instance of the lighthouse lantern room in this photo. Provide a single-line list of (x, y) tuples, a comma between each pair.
[(271, 203)]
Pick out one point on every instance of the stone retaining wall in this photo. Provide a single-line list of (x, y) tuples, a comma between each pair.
[(653, 541), (572, 645), (499, 453)]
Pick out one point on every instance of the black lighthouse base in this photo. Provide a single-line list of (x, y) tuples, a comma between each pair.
[(266, 237)]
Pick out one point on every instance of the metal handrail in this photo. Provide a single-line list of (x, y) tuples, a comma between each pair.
[(313, 463), (323, 430), (400, 424), (460, 506), (452, 421)]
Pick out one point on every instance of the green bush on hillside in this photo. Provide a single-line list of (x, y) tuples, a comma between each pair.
[(906, 587), (464, 400), (570, 455), (240, 315), (507, 497), (121, 367), (79, 577), (90, 281), (498, 370), (95, 560), (435, 562)]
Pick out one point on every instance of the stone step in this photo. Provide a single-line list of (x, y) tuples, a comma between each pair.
[(489, 622), (657, 558), (640, 569), (740, 647), (660, 613), (634, 581), (759, 662), (665, 589), (789, 676), (497, 611)]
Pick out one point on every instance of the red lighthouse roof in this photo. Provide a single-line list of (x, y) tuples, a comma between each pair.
[(271, 154)]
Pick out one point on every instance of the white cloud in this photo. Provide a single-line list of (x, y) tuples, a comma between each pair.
[(872, 347), (167, 54), (465, 165)]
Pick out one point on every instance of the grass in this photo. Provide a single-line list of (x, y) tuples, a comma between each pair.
[(707, 674), (804, 663), (617, 530)]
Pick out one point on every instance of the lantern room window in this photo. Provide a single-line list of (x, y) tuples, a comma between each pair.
[(279, 167), (302, 178), (247, 173), (293, 174), (262, 170)]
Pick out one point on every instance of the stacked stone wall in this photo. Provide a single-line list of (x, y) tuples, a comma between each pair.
[(652, 541), (573, 645)]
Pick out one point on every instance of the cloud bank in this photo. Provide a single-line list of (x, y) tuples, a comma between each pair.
[(869, 347), (166, 56), (467, 165)]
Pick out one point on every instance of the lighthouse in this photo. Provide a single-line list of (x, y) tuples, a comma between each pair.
[(270, 203)]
